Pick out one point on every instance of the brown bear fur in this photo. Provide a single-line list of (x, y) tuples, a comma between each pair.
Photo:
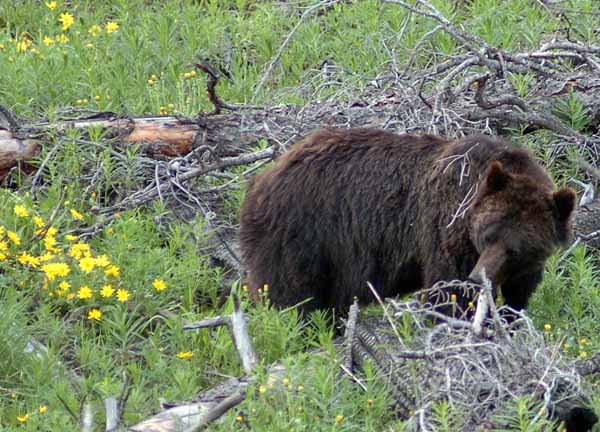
[(346, 206)]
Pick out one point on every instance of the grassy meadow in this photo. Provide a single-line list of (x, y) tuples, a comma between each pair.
[(94, 303)]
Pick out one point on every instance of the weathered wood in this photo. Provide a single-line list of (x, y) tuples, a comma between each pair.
[(587, 222), (111, 407), (241, 337), (14, 150), (194, 413), (225, 134), (207, 323), (220, 409)]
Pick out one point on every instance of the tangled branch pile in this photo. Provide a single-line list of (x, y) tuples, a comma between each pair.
[(476, 366)]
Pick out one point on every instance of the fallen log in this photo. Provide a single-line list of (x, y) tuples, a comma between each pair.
[(223, 135), (14, 150)]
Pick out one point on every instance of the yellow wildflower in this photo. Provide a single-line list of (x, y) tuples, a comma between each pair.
[(286, 381), (49, 244), (71, 237), (87, 264), (51, 232), (62, 38), (48, 41), (96, 98), (42, 409), (2, 231), (66, 19), (185, 355), (70, 296), (111, 26), (22, 46), (547, 327), (3, 256), (52, 270), (113, 271), (79, 250), (339, 418), (102, 261), (23, 418), (95, 314), (64, 285), (159, 285), (85, 292), (94, 30), (89, 45), (76, 215), (122, 295), (21, 211), (51, 5), (187, 75), (3, 246), (13, 237), (26, 258), (39, 222), (46, 257), (107, 291), (262, 389), (192, 73), (453, 298)]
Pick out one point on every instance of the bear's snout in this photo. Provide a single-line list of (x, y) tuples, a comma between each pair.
[(490, 264)]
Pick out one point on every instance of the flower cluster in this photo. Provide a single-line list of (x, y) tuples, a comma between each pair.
[(68, 271), (65, 22)]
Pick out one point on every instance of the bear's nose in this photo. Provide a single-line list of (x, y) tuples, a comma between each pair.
[(475, 277)]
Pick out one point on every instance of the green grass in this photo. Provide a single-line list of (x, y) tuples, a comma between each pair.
[(146, 67)]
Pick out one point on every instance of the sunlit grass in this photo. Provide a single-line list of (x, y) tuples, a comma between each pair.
[(96, 303)]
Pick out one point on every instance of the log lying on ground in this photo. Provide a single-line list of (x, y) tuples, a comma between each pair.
[(224, 135), (14, 149)]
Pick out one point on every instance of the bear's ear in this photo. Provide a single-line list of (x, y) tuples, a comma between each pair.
[(496, 178), (565, 202)]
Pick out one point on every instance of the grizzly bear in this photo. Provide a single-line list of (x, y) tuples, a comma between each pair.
[(347, 206)]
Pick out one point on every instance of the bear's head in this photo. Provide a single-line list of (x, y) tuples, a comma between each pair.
[(517, 221)]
